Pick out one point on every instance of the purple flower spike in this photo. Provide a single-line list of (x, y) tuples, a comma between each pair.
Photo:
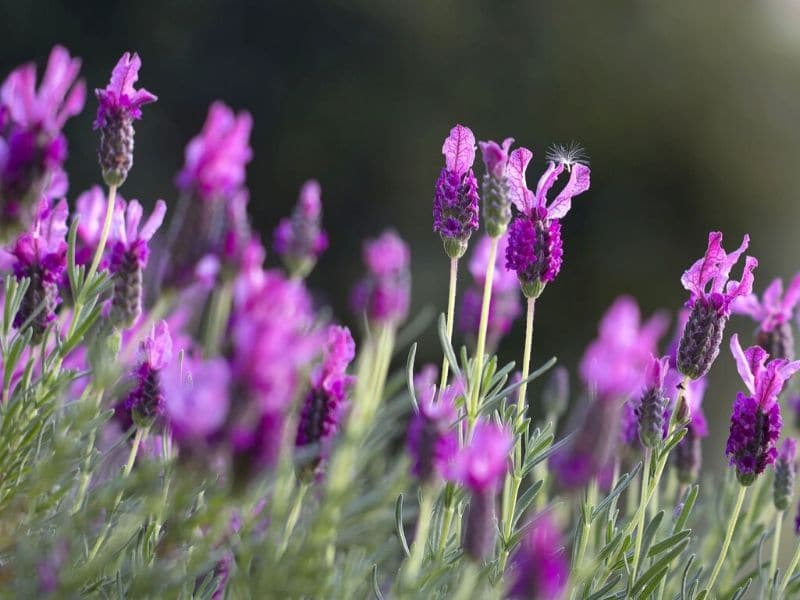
[(496, 201), (540, 568), (196, 398), (455, 203), (756, 419), (535, 248), (384, 293), (119, 104), (326, 401), (505, 306), (773, 313), (128, 258), (32, 147), (300, 240), (432, 440), (785, 471), (650, 411), (710, 302), (217, 157), (146, 401), (41, 255), (613, 364)]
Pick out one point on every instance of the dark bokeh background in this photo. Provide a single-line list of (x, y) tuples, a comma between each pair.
[(689, 114)]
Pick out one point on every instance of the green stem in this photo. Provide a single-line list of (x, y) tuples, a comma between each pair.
[(101, 245), (451, 309), (776, 544), (467, 590), (445, 534), (790, 571), (480, 348), (586, 527), (642, 512), (294, 515), (728, 537), (427, 497)]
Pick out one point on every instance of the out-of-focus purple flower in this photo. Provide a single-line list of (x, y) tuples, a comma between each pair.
[(455, 202), (119, 104), (129, 252), (197, 398), (41, 255), (687, 455), (384, 292), (495, 157), (145, 402), (756, 419), (505, 306), (326, 401), (300, 240), (432, 440), (785, 471), (539, 567), (710, 300), (217, 157), (32, 147), (555, 395), (90, 208), (496, 202), (773, 314), (535, 248), (613, 365)]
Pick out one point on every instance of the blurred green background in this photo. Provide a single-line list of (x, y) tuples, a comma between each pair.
[(688, 111)]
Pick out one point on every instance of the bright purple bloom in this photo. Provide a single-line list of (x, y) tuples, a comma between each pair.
[(119, 99), (482, 464), (505, 304), (455, 203), (217, 157), (197, 398), (756, 419), (495, 157), (540, 567), (300, 240), (613, 364), (496, 202), (41, 255), (432, 439), (326, 401), (773, 313), (535, 248), (384, 292), (146, 401), (32, 147)]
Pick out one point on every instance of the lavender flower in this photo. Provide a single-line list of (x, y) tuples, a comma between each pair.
[(197, 398), (455, 203), (146, 401), (756, 419), (300, 240), (539, 567), (650, 411), (534, 242), (41, 255), (555, 395), (613, 364), (496, 203), (480, 466), (432, 440), (785, 471), (687, 455), (773, 313), (711, 307), (326, 401), (119, 105), (129, 252), (505, 306), (32, 147), (384, 293)]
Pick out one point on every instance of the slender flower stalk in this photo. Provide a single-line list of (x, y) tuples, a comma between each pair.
[(451, 309), (737, 507)]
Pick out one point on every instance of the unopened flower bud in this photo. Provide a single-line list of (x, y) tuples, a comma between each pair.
[(785, 470)]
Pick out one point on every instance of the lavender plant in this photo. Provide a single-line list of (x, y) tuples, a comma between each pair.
[(198, 425)]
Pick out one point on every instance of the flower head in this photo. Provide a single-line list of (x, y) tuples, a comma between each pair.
[(785, 471), (300, 240), (432, 441), (539, 566), (384, 292), (773, 313), (146, 401), (495, 156), (196, 398), (119, 99), (455, 203), (650, 411), (481, 465)]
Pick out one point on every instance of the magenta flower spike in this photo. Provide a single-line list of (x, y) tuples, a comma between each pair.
[(785, 472), (652, 405), (773, 314), (300, 239), (496, 201), (41, 255), (197, 398), (506, 305), (432, 439), (539, 567), (756, 419), (145, 403), (119, 104), (711, 297), (455, 203), (326, 402), (128, 256), (384, 293), (534, 243), (32, 147), (480, 467)]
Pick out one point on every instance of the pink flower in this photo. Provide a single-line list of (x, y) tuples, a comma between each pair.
[(119, 99), (495, 157), (483, 462), (775, 308), (764, 380)]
